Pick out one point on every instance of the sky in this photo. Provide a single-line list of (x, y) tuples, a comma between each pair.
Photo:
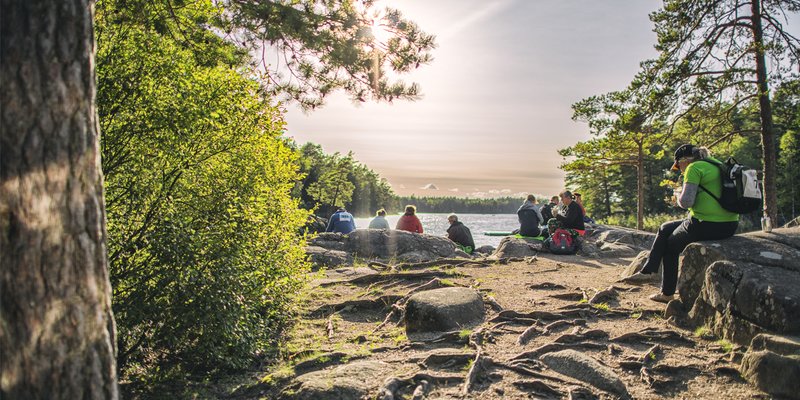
[(496, 104)]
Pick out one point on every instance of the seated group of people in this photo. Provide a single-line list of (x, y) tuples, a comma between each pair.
[(342, 222), (563, 211)]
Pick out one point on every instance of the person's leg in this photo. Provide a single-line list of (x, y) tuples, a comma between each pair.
[(684, 234), (692, 231), (659, 246)]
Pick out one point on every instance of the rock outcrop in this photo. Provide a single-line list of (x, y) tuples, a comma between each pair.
[(443, 310), (512, 246), (745, 285), (352, 381), (586, 369), (384, 244), (773, 365)]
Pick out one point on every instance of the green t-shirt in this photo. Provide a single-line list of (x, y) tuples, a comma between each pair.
[(705, 207)]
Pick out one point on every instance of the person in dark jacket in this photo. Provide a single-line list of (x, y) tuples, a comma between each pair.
[(569, 215), (547, 210), (529, 217), (409, 221), (460, 234), (341, 221)]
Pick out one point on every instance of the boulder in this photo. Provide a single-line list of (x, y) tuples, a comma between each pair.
[(442, 310), (772, 363), (512, 246), (744, 285), (613, 249), (637, 264), (352, 381), (321, 257), (315, 224), (585, 369), (386, 244), (485, 249), (632, 238)]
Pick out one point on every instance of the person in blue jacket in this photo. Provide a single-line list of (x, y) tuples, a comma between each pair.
[(341, 221)]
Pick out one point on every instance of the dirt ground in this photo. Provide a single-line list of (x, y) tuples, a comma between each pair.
[(342, 315)]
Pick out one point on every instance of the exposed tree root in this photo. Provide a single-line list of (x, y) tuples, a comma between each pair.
[(604, 296), (538, 388), (492, 302), (650, 354), (324, 360), (398, 308), (421, 390), (560, 325), (480, 365), (397, 311), (330, 327), (393, 384), (444, 361), (569, 296), (370, 304), (523, 370), (526, 336), (374, 278), (551, 347), (569, 338), (652, 335), (547, 286)]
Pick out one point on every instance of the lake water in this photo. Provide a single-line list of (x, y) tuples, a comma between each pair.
[(436, 224)]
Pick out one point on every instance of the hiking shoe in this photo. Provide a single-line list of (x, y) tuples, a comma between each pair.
[(638, 279), (662, 298)]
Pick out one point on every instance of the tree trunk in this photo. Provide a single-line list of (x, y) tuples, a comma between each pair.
[(606, 193), (57, 332), (765, 111), (640, 188)]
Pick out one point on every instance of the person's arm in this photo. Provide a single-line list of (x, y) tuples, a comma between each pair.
[(539, 215), (419, 226), (329, 228), (688, 195)]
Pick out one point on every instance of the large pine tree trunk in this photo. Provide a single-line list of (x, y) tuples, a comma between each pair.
[(765, 111), (56, 327)]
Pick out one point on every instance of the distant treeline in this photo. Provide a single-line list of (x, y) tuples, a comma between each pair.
[(503, 205), (333, 180)]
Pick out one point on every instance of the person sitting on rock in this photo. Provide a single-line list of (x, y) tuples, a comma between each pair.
[(409, 221), (379, 222), (569, 215), (547, 209), (579, 200), (341, 221), (707, 219), (460, 234), (529, 217)]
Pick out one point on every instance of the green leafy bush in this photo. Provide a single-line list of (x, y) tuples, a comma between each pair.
[(202, 231)]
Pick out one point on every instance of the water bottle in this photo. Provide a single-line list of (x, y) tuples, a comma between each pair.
[(766, 224)]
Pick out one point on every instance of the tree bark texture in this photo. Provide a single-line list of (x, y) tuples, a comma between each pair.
[(57, 331), (765, 110), (640, 187)]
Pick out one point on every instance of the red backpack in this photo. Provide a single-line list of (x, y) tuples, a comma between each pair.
[(562, 242)]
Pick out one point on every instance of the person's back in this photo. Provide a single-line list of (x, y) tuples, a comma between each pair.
[(460, 234), (706, 174), (529, 218), (409, 221), (379, 222), (342, 222), (549, 210)]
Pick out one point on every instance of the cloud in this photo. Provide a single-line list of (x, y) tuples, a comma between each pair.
[(454, 190), (430, 186), (489, 9), (505, 191)]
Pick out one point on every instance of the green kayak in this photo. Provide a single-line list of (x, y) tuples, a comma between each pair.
[(497, 233)]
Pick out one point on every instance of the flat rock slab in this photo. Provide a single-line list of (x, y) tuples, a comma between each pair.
[(442, 310), (352, 381), (585, 369)]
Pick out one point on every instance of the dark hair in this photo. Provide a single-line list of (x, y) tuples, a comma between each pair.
[(381, 212), (531, 198), (411, 210)]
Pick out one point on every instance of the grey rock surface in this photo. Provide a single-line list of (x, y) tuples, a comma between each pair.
[(445, 309), (585, 369), (772, 363), (745, 285), (352, 381), (386, 244), (512, 246), (322, 257)]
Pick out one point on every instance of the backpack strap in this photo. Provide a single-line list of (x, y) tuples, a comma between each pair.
[(719, 166)]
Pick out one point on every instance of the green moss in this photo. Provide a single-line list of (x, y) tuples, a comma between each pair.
[(601, 306), (725, 345)]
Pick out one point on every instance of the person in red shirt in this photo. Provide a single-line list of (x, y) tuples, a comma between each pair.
[(409, 221)]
